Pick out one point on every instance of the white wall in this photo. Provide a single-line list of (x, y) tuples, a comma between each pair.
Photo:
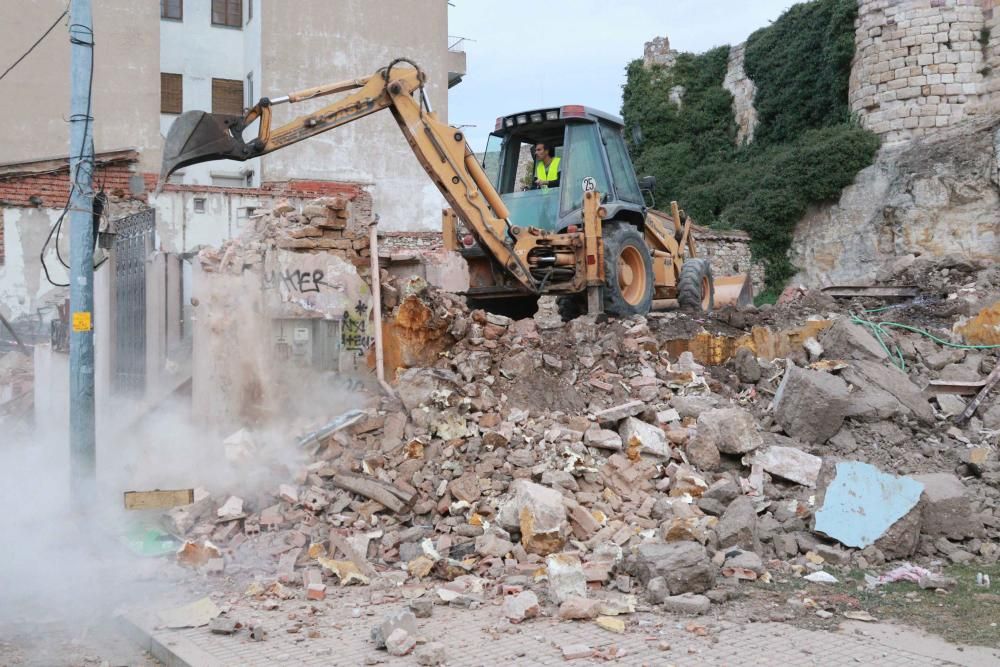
[(182, 230), (23, 287), (323, 41), (200, 51)]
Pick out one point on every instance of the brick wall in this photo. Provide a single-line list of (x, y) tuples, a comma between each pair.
[(50, 189), (920, 64)]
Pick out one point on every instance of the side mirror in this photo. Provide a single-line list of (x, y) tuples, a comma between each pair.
[(646, 186), (636, 135)]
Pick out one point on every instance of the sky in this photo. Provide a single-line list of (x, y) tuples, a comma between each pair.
[(528, 54)]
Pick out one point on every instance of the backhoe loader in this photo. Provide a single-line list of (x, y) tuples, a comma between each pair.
[(592, 241)]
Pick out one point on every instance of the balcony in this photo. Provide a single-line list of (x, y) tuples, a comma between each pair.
[(456, 59)]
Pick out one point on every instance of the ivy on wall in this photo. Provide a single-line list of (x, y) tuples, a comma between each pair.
[(806, 148)]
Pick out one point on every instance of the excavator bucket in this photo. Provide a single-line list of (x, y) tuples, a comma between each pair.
[(199, 136), (733, 290)]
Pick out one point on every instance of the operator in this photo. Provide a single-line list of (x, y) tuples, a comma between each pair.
[(546, 166)]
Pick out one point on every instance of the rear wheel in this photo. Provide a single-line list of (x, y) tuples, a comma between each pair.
[(696, 287), (628, 271)]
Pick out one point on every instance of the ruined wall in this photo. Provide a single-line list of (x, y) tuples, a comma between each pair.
[(283, 313), (30, 204), (922, 64), (938, 195), (743, 90), (729, 253)]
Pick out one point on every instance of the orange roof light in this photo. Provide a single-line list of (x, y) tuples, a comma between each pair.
[(573, 111)]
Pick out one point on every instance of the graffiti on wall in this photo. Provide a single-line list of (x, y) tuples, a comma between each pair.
[(354, 334)]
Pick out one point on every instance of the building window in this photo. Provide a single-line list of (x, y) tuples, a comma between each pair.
[(199, 205), (171, 93), (227, 13), (172, 9), (227, 96), (249, 10), (250, 100)]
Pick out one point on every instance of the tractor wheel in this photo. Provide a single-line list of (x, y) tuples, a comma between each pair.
[(696, 287), (628, 271)]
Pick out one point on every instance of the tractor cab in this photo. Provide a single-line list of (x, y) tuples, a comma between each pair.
[(593, 157)]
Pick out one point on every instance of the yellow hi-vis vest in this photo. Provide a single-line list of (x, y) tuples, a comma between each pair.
[(550, 174)]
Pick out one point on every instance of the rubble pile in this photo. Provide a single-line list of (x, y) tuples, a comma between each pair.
[(579, 469)]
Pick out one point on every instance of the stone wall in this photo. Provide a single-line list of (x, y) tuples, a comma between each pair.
[(729, 253), (921, 65)]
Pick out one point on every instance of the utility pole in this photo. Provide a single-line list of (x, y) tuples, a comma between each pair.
[(82, 435)]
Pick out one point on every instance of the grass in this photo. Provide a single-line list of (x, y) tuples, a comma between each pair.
[(967, 615)]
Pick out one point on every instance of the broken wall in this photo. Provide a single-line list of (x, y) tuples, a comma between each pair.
[(936, 196), (282, 317)]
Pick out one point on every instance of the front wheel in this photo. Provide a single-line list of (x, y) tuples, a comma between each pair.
[(696, 287), (628, 271)]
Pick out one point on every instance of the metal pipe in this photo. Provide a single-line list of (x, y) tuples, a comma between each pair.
[(377, 306)]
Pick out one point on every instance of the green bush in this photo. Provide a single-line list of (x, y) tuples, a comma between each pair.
[(801, 66), (805, 149)]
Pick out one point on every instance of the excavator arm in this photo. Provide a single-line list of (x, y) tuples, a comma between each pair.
[(197, 136)]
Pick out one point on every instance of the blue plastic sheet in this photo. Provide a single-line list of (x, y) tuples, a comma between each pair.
[(862, 502)]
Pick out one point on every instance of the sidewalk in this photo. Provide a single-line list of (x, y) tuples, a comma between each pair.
[(472, 637)]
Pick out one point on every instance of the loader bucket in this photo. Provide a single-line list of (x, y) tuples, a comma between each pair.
[(733, 290), (199, 136)]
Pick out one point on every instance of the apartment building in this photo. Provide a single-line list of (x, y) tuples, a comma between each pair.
[(156, 60)]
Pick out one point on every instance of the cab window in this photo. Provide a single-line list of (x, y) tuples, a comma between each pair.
[(621, 167), (582, 161)]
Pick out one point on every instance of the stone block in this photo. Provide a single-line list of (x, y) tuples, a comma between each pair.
[(731, 430), (947, 510), (684, 566), (811, 405)]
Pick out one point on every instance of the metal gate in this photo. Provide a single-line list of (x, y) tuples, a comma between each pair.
[(133, 242)]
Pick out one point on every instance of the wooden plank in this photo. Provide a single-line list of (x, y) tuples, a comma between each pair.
[(153, 500), (991, 381)]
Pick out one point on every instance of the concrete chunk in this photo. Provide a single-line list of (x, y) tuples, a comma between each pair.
[(619, 412), (895, 382), (651, 439), (539, 513), (811, 405), (566, 577), (684, 566), (946, 510), (847, 340), (789, 463), (731, 430)]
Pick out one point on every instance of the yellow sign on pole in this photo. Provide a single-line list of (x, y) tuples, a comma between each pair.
[(81, 321)]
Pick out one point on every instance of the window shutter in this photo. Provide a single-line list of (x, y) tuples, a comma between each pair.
[(172, 9), (171, 93), (227, 96), (228, 13)]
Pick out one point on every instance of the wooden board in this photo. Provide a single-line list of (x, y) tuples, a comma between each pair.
[(153, 500)]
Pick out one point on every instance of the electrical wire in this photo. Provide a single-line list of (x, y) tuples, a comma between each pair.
[(81, 163), (878, 329), (32, 47)]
